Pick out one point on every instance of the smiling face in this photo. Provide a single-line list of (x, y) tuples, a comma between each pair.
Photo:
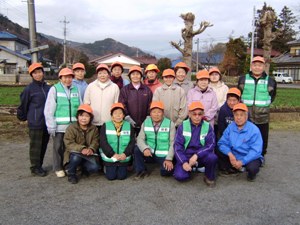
[(84, 119), (257, 68), (214, 77), (240, 117), (38, 74), (151, 75), (168, 80), (232, 101), (135, 77), (203, 83), (103, 75), (79, 74), (66, 80), (117, 115), (116, 71), (180, 74), (156, 115)]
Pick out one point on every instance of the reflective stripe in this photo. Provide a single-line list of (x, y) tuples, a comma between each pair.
[(262, 102), (149, 129), (248, 101), (105, 157), (249, 82), (161, 152), (113, 132), (63, 119), (60, 94)]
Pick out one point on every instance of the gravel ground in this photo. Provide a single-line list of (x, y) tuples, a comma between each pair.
[(274, 198)]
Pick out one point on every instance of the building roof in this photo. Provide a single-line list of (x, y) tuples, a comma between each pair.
[(260, 52), (15, 53), (294, 43), (111, 58), (146, 60), (8, 36), (286, 58)]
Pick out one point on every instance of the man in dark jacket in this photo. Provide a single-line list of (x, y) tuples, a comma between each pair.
[(32, 105), (258, 92), (136, 97)]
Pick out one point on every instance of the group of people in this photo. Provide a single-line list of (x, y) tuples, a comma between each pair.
[(117, 124)]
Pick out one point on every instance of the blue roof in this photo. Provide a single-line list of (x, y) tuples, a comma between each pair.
[(15, 53), (6, 35)]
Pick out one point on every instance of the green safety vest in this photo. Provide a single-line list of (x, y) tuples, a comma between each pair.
[(66, 107), (187, 132), (118, 143), (159, 142), (257, 95)]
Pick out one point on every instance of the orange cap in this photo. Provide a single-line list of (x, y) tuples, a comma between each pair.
[(85, 107), (65, 72), (78, 66), (258, 59), (168, 72), (35, 66), (135, 68), (202, 74), (102, 66), (157, 104), (117, 64), (182, 65), (152, 67), (214, 69), (240, 106), (196, 105), (234, 91), (117, 105)]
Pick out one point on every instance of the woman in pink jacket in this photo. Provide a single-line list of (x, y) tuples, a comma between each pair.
[(205, 94)]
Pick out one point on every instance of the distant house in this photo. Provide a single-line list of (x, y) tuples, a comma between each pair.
[(117, 57), (260, 52), (290, 62), (145, 61), (11, 59)]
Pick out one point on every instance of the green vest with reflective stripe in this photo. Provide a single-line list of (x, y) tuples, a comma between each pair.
[(159, 142), (187, 132), (66, 108), (257, 95), (118, 143)]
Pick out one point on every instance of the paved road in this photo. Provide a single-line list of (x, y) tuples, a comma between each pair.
[(288, 85), (273, 199)]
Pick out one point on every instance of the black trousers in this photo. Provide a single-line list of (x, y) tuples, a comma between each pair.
[(264, 130), (224, 164), (37, 148)]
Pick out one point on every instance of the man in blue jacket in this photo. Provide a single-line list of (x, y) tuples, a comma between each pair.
[(32, 105), (194, 144), (241, 145)]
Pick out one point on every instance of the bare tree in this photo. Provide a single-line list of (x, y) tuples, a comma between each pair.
[(187, 34), (267, 20)]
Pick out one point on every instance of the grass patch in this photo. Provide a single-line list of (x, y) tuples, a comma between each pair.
[(10, 95), (287, 97)]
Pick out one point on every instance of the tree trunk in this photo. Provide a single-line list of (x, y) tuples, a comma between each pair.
[(187, 34)]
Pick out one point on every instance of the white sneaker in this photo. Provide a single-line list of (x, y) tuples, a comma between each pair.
[(60, 173), (201, 169)]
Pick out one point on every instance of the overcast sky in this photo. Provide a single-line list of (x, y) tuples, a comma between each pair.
[(149, 25)]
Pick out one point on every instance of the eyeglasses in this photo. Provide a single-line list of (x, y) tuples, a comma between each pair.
[(197, 114)]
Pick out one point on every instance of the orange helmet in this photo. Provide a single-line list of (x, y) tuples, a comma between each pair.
[(117, 105), (183, 66), (85, 107), (152, 67), (117, 64), (135, 68), (202, 74), (214, 69), (168, 72), (78, 66), (240, 106), (234, 91), (157, 104), (102, 66), (35, 66), (65, 72), (196, 105)]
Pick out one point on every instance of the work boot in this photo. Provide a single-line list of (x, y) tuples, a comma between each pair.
[(209, 183), (141, 175), (73, 179), (38, 171)]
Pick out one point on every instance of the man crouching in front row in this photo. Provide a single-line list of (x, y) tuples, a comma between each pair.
[(194, 144)]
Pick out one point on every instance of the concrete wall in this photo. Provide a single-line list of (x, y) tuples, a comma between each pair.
[(8, 79)]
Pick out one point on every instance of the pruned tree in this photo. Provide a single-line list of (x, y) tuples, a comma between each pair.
[(187, 34), (266, 22)]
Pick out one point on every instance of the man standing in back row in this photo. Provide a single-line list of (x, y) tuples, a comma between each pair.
[(258, 92)]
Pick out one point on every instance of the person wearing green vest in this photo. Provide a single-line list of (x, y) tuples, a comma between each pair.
[(155, 142), (258, 92), (194, 145), (117, 140), (60, 110), (82, 142)]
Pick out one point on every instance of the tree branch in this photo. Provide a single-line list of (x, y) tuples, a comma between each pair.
[(177, 46), (203, 26)]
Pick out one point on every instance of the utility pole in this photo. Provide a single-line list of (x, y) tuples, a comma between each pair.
[(65, 41), (197, 67), (252, 37), (32, 30)]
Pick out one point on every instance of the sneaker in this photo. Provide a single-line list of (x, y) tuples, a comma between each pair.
[(60, 173), (141, 175), (251, 179), (38, 171), (73, 179), (263, 162), (201, 169), (209, 183), (228, 173)]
